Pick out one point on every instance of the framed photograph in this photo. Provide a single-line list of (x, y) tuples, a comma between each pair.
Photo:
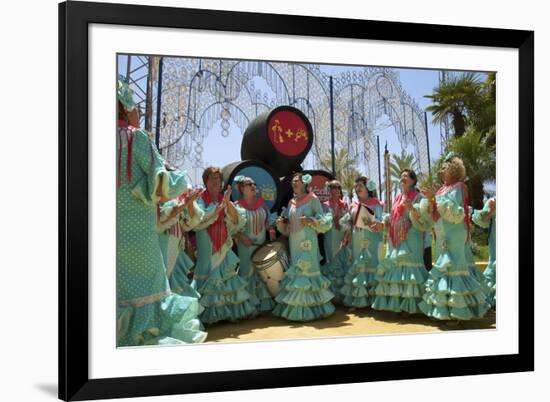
[(261, 201)]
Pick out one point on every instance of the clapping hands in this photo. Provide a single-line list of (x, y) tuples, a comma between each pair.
[(227, 194), (192, 196), (428, 192), (226, 199)]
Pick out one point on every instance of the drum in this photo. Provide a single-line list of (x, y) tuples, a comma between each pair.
[(271, 262)]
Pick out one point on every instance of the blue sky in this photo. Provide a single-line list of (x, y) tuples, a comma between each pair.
[(417, 83)]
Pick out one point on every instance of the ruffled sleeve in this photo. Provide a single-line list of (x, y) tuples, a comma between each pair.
[(166, 220), (420, 221), (345, 222), (425, 217), (157, 182), (478, 217), (450, 206), (282, 227), (233, 228), (189, 223), (322, 220), (207, 213)]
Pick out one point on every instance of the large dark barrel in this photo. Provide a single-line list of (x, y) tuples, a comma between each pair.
[(267, 183), (320, 177), (280, 138)]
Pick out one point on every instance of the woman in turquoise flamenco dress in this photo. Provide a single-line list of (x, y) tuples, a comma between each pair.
[(336, 254), (402, 275), (469, 254), (147, 310), (360, 279), (486, 218), (258, 222), (304, 292), (177, 217), (223, 292), (452, 293)]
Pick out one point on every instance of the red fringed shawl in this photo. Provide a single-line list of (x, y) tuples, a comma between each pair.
[(128, 132), (216, 231), (399, 228)]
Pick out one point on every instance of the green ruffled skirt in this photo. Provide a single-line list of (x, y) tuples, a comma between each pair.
[(401, 279), (452, 296), (335, 271), (359, 282), (490, 278), (224, 295), (304, 294), (172, 320)]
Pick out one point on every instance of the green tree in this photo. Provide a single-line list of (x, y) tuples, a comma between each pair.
[(484, 115), (479, 160), (459, 98), (345, 165)]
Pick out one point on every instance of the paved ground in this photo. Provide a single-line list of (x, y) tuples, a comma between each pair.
[(342, 323)]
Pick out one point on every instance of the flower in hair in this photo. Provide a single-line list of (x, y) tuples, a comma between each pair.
[(450, 156), (238, 179), (371, 185), (125, 94)]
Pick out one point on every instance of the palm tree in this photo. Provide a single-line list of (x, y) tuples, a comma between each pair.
[(484, 117), (457, 98), (479, 160)]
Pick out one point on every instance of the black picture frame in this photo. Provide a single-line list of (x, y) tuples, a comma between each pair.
[(74, 19)]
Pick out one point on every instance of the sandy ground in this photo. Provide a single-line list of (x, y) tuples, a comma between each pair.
[(342, 323)]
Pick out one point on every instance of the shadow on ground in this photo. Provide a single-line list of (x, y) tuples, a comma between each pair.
[(344, 322)]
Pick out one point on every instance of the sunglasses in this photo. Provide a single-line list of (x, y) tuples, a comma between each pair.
[(250, 184)]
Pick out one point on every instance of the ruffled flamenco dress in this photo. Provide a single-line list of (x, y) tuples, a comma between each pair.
[(401, 274), (452, 293), (474, 271), (360, 279), (223, 292), (148, 312), (304, 292), (258, 218), (173, 243), (489, 275), (472, 267), (337, 257)]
